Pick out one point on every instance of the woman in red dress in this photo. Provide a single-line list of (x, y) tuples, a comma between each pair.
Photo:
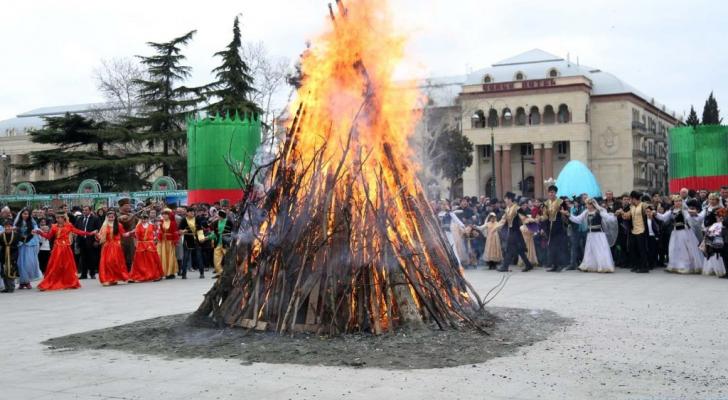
[(147, 265), (112, 267), (61, 270)]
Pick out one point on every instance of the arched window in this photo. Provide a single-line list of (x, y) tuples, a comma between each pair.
[(549, 117), (521, 118), (487, 79), (527, 187), (492, 118), (553, 73), (506, 117), (489, 188), (586, 114), (478, 120), (520, 76), (534, 117), (564, 114)]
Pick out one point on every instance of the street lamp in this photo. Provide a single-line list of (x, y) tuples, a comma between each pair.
[(507, 115)]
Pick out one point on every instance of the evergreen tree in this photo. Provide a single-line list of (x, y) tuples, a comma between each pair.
[(234, 84), (456, 154), (711, 114), (692, 118), (89, 149), (165, 106)]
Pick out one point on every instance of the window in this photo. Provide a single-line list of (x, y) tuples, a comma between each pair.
[(521, 116), (562, 148), (564, 116), (534, 117), (478, 120), (520, 76), (586, 114), (492, 118), (635, 115), (486, 152), (549, 117), (553, 73), (487, 79), (507, 117), (526, 150)]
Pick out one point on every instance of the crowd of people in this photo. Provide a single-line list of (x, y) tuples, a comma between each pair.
[(684, 233), (149, 242)]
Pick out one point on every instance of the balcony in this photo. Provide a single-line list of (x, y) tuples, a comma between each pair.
[(639, 154), (641, 182)]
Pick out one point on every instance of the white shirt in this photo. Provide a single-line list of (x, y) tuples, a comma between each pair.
[(649, 227)]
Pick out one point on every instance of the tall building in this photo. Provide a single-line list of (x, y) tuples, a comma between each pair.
[(541, 111)]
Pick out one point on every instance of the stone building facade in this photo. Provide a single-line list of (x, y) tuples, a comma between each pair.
[(542, 111)]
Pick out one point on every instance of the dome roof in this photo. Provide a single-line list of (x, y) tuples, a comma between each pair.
[(537, 64), (575, 178)]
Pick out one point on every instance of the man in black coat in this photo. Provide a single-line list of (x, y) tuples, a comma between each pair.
[(88, 246), (654, 230)]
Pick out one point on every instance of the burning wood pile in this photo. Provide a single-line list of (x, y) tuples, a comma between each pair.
[(345, 240)]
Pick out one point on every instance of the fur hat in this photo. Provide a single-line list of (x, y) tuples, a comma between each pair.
[(635, 195), (124, 201), (553, 188), (510, 195)]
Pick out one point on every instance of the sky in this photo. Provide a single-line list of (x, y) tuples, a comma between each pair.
[(674, 51)]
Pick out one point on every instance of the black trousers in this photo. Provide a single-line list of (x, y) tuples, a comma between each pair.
[(638, 252), (513, 251), (89, 260), (653, 245)]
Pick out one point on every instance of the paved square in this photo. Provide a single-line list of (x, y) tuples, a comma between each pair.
[(654, 336)]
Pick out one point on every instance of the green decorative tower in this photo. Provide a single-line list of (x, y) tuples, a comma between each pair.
[(698, 157), (209, 141)]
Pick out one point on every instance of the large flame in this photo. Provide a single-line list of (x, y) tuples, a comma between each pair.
[(348, 224)]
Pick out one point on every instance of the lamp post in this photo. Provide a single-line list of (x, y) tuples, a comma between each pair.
[(507, 117), (5, 159)]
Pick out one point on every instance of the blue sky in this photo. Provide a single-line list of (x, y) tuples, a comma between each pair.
[(674, 51)]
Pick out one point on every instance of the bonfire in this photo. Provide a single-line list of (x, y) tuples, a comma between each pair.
[(344, 239)]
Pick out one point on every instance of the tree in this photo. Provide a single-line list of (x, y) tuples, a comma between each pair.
[(455, 155), (692, 118), (118, 81), (164, 107), (233, 88), (89, 150), (711, 113)]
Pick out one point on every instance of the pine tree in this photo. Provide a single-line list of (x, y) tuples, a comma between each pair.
[(84, 146), (165, 106), (234, 84), (711, 113), (692, 118)]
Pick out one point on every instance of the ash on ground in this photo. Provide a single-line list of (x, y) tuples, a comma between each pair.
[(176, 337)]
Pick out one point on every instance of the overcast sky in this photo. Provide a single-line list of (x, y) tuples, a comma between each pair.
[(673, 50)]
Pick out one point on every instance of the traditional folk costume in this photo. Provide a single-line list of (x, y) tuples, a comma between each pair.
[(602, 231), (192, 259), (112, 267), (683, 253), (168, 237), (129, 222), (556, 231), (8, 259), (515, 245), (460, 235), (28, 247), (221, 236), (493, 253), (61, 271), (146, 265), (712, 230), (530, 245)]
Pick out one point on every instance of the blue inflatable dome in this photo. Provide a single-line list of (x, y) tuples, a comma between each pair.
[(576, 179)]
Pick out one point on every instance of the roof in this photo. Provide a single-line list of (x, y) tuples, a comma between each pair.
[(537, 64), (33, 119)]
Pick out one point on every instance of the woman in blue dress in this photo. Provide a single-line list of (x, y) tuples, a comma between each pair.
[(28, 247)]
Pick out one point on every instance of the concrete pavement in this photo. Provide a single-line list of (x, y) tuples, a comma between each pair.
[(635, 336)]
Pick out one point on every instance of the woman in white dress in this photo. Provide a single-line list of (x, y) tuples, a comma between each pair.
[(684, 256), (597, 254), (460, 233), (710, 221)]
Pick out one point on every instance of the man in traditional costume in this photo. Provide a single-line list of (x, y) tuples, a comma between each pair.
[(514, 217), (556, 231), (128, 221), (637, 240), (221, 237), (191, 233)]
